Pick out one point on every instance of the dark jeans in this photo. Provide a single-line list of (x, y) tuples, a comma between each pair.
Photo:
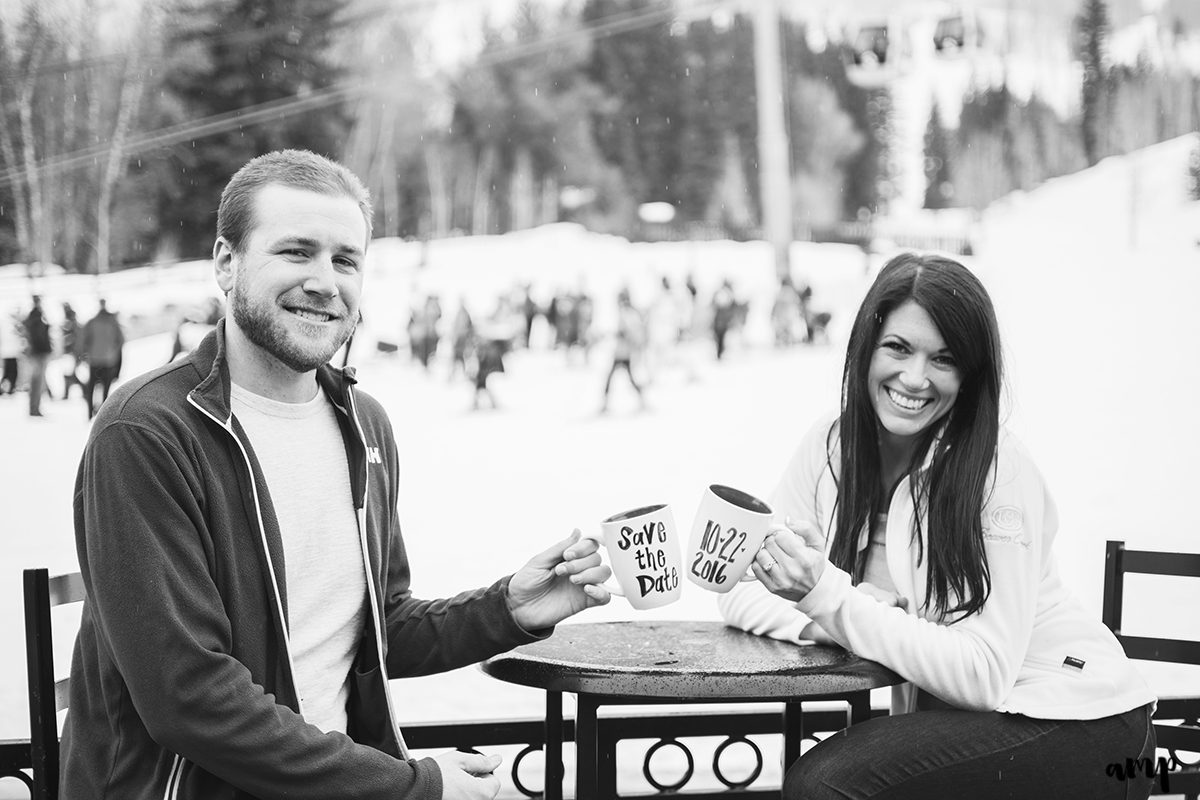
[(621, 363), (98, 377), (977, 755), (37, 383), (8, 382)]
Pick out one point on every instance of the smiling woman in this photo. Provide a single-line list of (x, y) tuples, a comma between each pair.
[(919, 534), (913, 379)]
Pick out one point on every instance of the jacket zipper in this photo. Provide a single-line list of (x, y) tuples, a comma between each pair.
[(360, 516), (175, 778)]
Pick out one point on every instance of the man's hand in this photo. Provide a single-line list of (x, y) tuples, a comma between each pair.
[(468, 776), (560, 581)]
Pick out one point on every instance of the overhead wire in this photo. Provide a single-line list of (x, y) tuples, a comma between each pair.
[(248, 36), (337, 92)]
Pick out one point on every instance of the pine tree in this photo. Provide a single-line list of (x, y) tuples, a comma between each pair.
[(642, 69), (237, 55), (939, 177)]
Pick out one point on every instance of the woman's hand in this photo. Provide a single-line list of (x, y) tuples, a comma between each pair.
[(791, 560), (883, 595), (815, 633)]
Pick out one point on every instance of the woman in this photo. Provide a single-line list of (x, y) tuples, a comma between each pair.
[(921, 537)]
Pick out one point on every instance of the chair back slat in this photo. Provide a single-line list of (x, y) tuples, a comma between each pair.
[(47, 696), (1177, 737), (68, 588), (1176, 651), (1148, 562), (62, 692)]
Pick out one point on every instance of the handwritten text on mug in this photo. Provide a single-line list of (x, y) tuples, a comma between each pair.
[(717, 551), (649, 557)]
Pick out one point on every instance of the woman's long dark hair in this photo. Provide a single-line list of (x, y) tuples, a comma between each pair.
[(949, 496)]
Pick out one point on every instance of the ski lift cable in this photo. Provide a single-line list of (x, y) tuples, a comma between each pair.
[(337, 92), (218, 123)]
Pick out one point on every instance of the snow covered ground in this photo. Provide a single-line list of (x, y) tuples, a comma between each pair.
[(1095, 277)]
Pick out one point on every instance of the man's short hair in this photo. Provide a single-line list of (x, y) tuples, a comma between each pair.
[(299, 169)]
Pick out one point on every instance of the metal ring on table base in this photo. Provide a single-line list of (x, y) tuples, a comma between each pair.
[(516, 767), (758, 765), (668, 787)]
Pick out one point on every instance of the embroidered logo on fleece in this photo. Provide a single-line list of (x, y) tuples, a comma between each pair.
[(373, 456), (1006, 525), (1073, 663)]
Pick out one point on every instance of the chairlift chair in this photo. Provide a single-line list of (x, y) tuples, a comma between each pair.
[(958, 33), (878, 54)]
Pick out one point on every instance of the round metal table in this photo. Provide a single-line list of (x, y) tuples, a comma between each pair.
[(667, 661)]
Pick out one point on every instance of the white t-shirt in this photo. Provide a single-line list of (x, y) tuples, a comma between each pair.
[(300, 449)]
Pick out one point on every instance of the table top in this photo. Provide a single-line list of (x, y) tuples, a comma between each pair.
[(670, 659)]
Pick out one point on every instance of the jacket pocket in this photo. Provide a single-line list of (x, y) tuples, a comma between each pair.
[(368, 720), (190, 782), (1065, 667)]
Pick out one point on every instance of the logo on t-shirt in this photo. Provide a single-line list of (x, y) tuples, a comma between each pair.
[(373, 456), (1071, 662), (1007, 518), (1005, 525)]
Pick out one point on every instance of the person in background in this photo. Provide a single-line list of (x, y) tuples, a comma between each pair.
[(71, 349), (630, 340), (248, 589), (11, 335), (664, 325), (39, 348), (462, 340), (724, 315), (103, 348), (529, 312), (490, 348), (786, 314), (197, 323), (920, 535), (581, 322)]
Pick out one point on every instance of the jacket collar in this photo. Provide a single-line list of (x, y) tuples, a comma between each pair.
[(212, 394)]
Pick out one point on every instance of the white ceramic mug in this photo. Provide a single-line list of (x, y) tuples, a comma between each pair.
[(729, 529), (643, 551)]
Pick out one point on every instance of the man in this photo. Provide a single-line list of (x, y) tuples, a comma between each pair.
[(39, 349), (103, 343), (236, 521)]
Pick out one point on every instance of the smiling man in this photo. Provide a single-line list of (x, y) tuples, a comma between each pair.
[(237, 530)]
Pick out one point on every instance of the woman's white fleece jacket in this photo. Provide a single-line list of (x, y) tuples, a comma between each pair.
[(1032, 650)]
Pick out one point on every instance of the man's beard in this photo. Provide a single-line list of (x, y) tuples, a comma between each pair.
[(261, 324)]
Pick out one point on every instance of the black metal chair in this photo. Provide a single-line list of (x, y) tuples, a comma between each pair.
[(1177, 719), (15, 761), (47, 696)]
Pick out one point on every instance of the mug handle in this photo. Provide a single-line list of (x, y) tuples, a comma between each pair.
[(610, 585)]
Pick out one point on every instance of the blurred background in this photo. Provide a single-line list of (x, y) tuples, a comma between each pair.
[(739, 169), (122, 119)]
